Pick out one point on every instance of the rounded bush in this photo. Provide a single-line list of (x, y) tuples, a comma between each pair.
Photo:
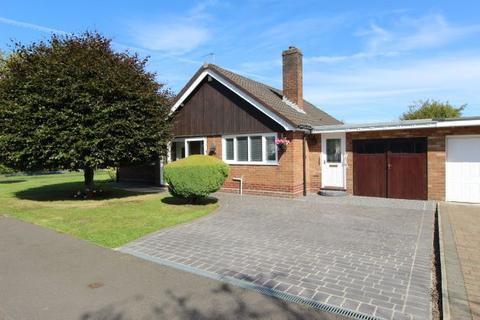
[(195, 177)]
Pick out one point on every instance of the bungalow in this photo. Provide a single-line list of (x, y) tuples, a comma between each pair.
[(241, 121)]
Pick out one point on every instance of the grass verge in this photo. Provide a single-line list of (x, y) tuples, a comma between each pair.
[(113, 219)]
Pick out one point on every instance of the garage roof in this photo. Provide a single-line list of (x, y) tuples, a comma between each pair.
[(399, 125)]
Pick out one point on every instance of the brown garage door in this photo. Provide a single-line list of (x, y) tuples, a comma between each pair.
[(393, 168), (370, 168)]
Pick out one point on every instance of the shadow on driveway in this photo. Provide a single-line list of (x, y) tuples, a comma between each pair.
[(48, 275), (183, 307)]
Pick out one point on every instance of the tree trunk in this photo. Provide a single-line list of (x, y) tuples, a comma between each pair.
[(88, 178)]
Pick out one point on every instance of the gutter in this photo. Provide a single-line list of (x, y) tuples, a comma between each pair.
[(307, 130)]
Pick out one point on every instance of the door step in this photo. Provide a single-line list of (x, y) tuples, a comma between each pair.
[(333, 193)]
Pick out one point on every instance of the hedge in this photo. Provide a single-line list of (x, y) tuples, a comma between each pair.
[(195, 177)]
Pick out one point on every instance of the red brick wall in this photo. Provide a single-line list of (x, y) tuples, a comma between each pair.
[(314, 174), (284, 179), (435, 153)]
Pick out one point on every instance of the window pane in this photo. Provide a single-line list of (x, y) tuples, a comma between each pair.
[(256, 149), (333, 150), (242, 149), (173, 151), (179, 150), (195, 147), (229, 149), (407, 145), (369, 146), (271, 149)]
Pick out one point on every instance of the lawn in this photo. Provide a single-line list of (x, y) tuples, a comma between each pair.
[(116, 217)]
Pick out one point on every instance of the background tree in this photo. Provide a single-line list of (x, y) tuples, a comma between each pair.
[(432, 109), (73, 103), (3, 61)]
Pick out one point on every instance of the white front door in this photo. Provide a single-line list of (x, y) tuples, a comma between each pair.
[(463, 169), (333, 160)]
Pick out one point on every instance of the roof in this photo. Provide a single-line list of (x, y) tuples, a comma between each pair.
[(269, 97), (400, 124)]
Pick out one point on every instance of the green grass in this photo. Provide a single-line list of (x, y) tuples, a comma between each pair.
[(111, 220)]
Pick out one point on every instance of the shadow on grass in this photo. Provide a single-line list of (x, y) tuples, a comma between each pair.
[(11, 181), (178, 201), (67, 191)]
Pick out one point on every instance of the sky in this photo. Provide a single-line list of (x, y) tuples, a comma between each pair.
[(363, 61)]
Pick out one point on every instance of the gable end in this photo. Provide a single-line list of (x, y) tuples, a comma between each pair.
[(201, 75), (213, 109)]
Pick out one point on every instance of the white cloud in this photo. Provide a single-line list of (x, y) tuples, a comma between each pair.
[(371, 88), (173, 38), (343, 58), (30, 26), (175, 35), (407, 35)]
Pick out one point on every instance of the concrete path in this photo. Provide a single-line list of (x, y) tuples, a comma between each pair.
[(362, 255), (460, 248), (48, 275)]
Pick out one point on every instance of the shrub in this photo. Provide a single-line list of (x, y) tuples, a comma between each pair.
[(195, 177)]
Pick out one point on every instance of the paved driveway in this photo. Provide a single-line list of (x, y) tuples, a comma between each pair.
[(460, 235), (49, 275), (370, 256)]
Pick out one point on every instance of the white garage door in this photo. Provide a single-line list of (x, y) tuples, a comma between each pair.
[(463, 169)]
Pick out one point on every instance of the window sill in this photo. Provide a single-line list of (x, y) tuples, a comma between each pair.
[(246, 163)]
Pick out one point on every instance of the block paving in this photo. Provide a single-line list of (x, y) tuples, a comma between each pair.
[(368, 255), (464, 221)]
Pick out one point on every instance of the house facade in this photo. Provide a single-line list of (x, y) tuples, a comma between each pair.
[(239, 120)]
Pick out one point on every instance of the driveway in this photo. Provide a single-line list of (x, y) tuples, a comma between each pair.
[(354, 256), (460, 235), (49, 275)]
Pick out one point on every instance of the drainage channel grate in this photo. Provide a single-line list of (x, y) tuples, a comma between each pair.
[(311, 303), (248, 285)]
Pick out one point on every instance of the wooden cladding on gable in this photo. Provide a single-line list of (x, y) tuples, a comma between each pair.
[(213, 109)]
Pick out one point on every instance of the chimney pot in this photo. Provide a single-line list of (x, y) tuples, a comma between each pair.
[(293, 75)]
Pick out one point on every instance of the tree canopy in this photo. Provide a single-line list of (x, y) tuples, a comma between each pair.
[(3, 61), (432, 109), (74, 103)]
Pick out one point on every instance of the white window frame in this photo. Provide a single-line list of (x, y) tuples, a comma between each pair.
[(264, 162), (185, 144)]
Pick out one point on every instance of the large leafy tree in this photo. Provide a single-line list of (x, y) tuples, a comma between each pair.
[(74, 103), (432, 109), (3, 61)]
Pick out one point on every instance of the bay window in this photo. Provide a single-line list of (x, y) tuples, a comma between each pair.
[(250, 149)]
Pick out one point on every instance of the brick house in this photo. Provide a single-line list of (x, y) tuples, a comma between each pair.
[(237, 119)]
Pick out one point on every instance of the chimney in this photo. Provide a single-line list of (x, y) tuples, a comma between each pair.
[(293, 76)]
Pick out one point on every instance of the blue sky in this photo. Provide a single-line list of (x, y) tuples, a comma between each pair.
[(363, 61)]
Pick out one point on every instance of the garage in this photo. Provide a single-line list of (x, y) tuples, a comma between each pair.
[(462, 170), (390, 168)]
